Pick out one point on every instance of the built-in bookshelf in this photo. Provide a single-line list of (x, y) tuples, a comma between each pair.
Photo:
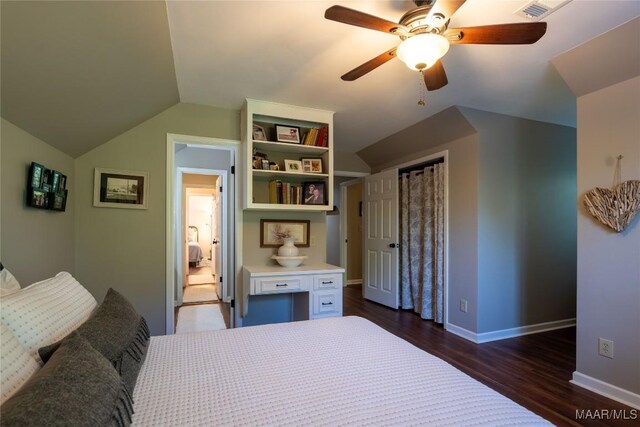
[(288, 157)]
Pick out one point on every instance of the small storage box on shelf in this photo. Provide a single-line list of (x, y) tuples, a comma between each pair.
[(267, 185)]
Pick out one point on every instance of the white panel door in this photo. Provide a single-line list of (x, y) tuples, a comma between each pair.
[(380, 281), (218, 242)]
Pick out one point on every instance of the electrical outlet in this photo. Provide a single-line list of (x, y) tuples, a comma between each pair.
[(605, 348), (463, 305)]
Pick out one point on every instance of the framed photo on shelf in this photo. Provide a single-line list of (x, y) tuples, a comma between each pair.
[(312, 165), (272, 232), (120, 189), (289, 134), (293, 165), (258, 133), (313, 193)]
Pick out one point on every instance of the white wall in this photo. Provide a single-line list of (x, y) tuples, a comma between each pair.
[(35, 243), (609, 262)]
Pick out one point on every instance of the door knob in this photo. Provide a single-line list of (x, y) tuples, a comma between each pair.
[(392, 245)]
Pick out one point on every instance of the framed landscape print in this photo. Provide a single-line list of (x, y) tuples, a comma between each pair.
[(120, 189), (272, 231)]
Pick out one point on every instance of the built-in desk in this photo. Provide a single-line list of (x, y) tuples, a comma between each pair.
[(316, 289)]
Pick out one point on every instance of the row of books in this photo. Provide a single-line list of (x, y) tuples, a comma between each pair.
[(318, 137), (285, 193)]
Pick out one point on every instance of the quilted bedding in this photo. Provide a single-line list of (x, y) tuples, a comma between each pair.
[(335, 371)]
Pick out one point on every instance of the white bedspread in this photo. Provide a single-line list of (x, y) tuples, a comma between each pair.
[(336, 371), (195, 252)]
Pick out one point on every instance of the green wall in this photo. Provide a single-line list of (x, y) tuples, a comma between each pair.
[(125, 248), (35, 244)]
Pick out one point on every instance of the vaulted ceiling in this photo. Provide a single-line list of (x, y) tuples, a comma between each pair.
[(76, 74)]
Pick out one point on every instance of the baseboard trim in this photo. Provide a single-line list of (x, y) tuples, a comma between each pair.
[(509, 333), (354, 282), (605, 389)]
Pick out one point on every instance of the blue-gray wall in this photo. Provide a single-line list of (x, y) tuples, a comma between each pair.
[(526, 221)]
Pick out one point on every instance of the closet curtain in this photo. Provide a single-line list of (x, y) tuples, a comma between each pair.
[(422, 242)]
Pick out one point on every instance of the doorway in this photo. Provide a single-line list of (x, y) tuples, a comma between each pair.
[(202, 212), (351, 231), (201, 223)]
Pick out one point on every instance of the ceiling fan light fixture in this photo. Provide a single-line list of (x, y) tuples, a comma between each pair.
[(421, 51)]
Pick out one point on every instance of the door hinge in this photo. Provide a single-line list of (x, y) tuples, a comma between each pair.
[(220, 279), (233, 170), (221, 189), (233, 303)]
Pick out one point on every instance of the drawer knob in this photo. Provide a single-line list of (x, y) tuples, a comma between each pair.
[(330, 282), (327, 303), (281, 285)]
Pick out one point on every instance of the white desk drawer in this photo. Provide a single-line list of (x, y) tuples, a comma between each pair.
[(327, 281), (279, 284), (328, 303)]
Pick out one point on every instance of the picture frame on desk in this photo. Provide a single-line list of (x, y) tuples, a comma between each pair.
[(289, 134)]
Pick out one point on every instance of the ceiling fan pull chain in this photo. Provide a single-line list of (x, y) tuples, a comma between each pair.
[(421, 89)]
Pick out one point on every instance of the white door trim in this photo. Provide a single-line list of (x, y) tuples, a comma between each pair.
[(224, 179), (440, 154), (235, 242)]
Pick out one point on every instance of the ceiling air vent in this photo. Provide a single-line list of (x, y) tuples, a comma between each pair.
[(538, 9)]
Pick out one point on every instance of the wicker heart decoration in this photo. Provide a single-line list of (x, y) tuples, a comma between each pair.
[(614, 208)]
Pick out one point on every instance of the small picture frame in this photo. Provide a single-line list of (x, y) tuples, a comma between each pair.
[(292, 165), (272, 230), (120, 189), (58, 201), (37, 198), (312, 165), (265, 164), (36, 172), (55, 182), (258, 133), (290, 134), (313, 193)]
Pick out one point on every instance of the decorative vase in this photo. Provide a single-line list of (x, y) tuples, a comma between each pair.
[(288, 249)]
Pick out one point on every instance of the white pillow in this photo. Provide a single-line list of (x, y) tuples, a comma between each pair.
[(16, 366), (8, 283), (47, 311)]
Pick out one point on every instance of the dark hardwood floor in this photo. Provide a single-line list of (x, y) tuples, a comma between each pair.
[(532, 370)]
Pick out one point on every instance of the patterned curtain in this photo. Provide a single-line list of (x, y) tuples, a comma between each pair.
[(422, 242)]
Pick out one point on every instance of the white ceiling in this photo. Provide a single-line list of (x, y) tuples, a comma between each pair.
[(285, 51), (77, 73)]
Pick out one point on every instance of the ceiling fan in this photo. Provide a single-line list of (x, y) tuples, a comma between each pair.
[(426, 37)]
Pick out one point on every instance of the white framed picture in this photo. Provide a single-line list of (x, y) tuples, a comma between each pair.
[(293, 166)]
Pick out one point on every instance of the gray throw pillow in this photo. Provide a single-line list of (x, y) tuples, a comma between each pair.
[(77, 387), (119, 333)]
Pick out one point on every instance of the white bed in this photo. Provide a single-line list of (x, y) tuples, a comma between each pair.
[(195, 251), (335, 371)]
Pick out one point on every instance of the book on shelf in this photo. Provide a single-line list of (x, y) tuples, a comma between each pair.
[(284, 193), (322, 137)]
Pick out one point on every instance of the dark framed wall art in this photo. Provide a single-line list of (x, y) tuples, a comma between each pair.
[(114, 188)]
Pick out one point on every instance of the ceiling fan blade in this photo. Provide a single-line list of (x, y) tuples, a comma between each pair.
[(520, 33), (446, 7), (435, 77), (369, 65), (360, 19)]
